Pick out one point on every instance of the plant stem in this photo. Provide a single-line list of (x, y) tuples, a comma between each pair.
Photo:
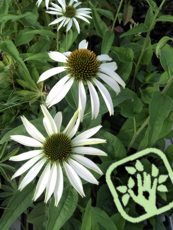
[(116, 15)]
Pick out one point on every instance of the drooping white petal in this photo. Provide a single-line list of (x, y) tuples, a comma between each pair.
[(89, 151), (26, 155), (111, 66), (82, 18), (65, 88), (77, 25), (32, 130), (32, 173), (58, 120), (110, 81), (74, 178), (49, 73), (49, 119), (27, 141), (88, 133), (52, 182), (104, 57), (114, 75), (62, 23), (27, 166), (106, 96), (56, 21), (82, 171), (59, 185), (38, 2), (83, 44), (75, 128), (71, 123), (62, 3), (87, 163), (70, 23), (56, 6), (47, 3), (53, 12), (42, 182), (95, 103), (57, 56), (82, 99), (90, 141)]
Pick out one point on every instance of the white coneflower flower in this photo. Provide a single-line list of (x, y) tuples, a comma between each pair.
[(46, 3), (59, 150), (68, 14), (87, 69)]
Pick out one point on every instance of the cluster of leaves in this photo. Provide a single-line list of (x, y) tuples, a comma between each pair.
[(143, 111)]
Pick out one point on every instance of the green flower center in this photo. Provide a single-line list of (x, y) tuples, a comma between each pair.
[(82, 64), (57, 147), (70, 12)]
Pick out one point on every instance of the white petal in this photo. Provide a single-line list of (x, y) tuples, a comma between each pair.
[(56, 21), (106, 96), (67, 54), (47, 3), (82, 18), (70, 23), (87, 163), (56, 6), (57, 56), (55, 91), (89, 151), (95, 103), (77, 25), (111, 66), (64, 90), (49, 119), (32, 173), (26, 155), (59, 185), (83, 44), (62, 3), (88, 133), (27, 166), (110, 81), (32, 130), (52, 182), (71, 123), (27, 141), (49, 73), (53, 12), (38, 2), (74, 179), (82, 99), (104, 57), (114, 75), (42, 182), (75, 128), (90, 141), (82, 171), (58, 121), (62, 23)]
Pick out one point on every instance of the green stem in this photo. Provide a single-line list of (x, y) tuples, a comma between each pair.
[(116, 15), (57, 40)]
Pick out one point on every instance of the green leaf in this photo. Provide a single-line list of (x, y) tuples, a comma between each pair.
[(131, 170), (141, 28), (57, 216), (162, 178), (68, 41), (162, 188), (165, 18), (86, 219), (125, 199), (154, 171), (131, 182), (122, 189), (99, 24), (128, 12), (107, 42), (166, 59), (139, 166), (161, 43), (17, 205), (37, 216)]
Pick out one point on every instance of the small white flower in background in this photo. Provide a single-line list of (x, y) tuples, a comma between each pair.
[(68, 14), (59, 150), (46, 3), (88, 70)]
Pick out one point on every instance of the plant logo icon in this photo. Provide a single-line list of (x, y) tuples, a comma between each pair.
[(144, 184)]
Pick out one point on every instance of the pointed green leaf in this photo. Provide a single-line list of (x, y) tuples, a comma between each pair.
[(125, 199), (162, 178), (131, 182), (155, 171), (162, 188), (107, 42), (86, 219), (139, 166), (57, 216), (122, 189), (130, 170)]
